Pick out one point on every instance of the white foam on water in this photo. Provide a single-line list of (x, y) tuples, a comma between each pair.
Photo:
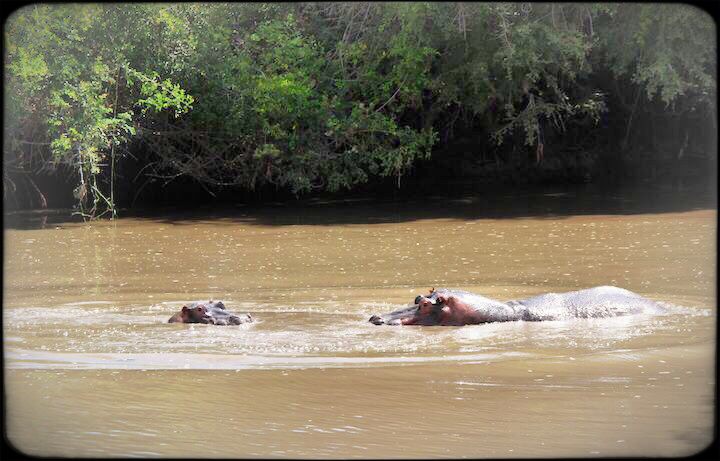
[(675, 309), (87, 303), (300, 335)]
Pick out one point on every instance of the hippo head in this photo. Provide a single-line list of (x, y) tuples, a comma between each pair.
[(210, 312), (425, 310), (194, 314)]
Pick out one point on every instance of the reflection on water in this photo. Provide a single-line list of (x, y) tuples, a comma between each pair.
[(94, 369)]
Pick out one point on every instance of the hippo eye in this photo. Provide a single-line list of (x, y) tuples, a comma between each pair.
[(199, 309), (417, 299)]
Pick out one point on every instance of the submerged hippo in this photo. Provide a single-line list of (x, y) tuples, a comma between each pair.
[(455, 307), (212, 312)]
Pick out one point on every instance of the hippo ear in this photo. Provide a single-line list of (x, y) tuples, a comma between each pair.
[(432, 290)]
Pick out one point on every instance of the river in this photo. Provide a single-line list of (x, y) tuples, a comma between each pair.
[(92, 368)]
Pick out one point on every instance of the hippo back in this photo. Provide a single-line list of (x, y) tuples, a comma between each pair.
[(603, 301)]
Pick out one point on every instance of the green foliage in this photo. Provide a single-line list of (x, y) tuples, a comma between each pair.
[(669, 50), (160, 95), (292, 117), (80, 89), (325, 96)]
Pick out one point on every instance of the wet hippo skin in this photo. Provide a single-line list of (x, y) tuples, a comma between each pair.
[(210, 312), (456, 307)]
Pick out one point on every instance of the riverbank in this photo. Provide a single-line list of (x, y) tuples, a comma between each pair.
[(463, 199)]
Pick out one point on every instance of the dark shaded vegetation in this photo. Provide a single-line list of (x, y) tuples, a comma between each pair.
[(466, 201), (120, 106)]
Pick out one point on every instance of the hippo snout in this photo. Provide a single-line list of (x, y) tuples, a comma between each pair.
[(377, 320)]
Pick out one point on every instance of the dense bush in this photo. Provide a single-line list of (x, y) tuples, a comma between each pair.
[(324, 96)]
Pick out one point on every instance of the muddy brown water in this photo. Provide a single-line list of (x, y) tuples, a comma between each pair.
[(93, 369)]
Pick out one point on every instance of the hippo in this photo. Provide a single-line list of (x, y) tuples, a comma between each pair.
[(456, 307), (211, 312)]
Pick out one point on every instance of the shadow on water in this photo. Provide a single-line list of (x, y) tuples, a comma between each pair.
[(460, 203)]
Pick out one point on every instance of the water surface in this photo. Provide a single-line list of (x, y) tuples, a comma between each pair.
[(93, 369)]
